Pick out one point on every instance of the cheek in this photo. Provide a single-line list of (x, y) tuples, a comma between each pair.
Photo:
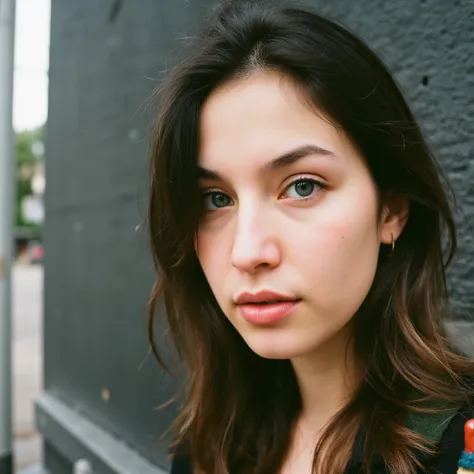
[(338, 251), (347, 220), (346, 249), (350, 234), (210, 251)]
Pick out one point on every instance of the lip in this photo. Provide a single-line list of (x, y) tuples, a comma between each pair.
[(265, 307), (262, 297)]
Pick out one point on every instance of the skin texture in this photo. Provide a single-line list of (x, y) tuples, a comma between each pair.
[(323, 250), (259, 233)]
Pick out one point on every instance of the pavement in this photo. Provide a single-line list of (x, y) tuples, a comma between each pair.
[(27, 308)]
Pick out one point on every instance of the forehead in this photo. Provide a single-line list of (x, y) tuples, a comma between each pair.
[(256, 118)]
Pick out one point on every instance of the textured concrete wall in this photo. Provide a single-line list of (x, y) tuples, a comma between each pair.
[(429, 45)]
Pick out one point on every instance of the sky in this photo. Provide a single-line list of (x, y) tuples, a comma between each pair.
[(30, 93)]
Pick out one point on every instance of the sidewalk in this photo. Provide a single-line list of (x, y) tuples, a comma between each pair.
[(27, 361)]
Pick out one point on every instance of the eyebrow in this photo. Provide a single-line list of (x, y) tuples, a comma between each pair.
[(288, 158)]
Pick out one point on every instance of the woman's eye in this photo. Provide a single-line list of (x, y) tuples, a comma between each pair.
[(302, 188), (216, 200)]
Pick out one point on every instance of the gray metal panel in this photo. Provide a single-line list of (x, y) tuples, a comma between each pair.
[(37, 469), (76, 438), (106, 57)]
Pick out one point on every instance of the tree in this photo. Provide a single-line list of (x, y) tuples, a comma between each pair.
[(29, 153)]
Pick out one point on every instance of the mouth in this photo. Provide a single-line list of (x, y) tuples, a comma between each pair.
[(263, 297), (270, 302), (266, 307)]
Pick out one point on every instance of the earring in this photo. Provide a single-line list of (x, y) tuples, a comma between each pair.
[(393, 244)]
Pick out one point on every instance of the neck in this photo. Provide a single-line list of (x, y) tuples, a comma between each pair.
[(327, 379)]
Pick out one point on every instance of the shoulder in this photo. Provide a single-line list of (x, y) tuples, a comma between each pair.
[(181, 463), (451, 444), (449, 447)]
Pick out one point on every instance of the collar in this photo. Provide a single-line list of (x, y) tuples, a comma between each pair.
[(429, 425)]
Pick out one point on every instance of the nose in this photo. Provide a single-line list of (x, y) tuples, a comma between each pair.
[(256, 245)]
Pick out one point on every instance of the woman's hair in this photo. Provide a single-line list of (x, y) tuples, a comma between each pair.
[(239, 409)]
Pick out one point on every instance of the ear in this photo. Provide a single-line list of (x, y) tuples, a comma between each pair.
[(394, 218)]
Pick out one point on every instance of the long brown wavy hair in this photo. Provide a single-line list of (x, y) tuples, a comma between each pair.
[(239, 409)]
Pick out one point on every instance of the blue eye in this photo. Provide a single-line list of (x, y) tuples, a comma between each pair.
[(302, 188), (216, 200)]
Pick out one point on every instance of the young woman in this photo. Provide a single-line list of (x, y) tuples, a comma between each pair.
[(297, 218)]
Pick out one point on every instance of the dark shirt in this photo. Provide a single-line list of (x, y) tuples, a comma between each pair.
[(450, 446)]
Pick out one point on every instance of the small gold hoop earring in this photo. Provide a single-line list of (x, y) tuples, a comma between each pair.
[(393, 244)]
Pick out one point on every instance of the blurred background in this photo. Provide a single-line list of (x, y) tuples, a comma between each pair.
[(85, 387), (30, 106)]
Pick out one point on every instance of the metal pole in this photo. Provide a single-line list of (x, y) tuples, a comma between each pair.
[(7, 199)]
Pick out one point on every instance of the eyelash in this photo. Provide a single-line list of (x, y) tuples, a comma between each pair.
[(299, 179), (315, 182)]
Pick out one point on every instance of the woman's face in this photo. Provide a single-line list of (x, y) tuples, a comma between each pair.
[(290, 236)]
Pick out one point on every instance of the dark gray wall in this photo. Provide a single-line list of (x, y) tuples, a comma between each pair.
[(105, 58)]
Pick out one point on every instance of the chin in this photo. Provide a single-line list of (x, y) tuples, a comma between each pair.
[(270, 347)]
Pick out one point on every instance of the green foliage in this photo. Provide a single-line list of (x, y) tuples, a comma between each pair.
[(26, 160), (24, 144)]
